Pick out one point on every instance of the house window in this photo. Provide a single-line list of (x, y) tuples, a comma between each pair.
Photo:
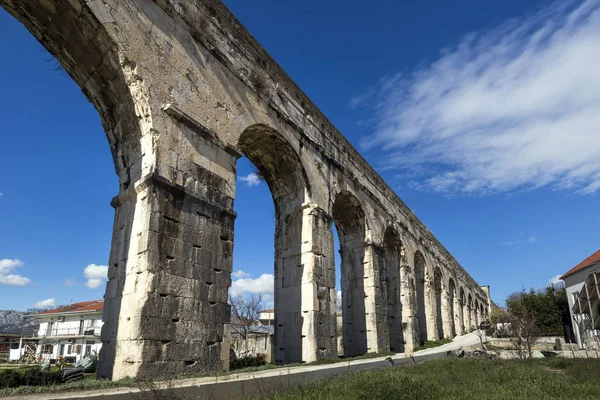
[(62, 350), (88, 347)]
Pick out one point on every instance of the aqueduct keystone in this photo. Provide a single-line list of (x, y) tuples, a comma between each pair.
[(183, 91)]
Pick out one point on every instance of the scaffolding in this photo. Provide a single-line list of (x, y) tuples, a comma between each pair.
[(586, 310)]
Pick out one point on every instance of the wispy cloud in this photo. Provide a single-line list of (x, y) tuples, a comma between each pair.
[(7, 278), (1, 194), (514, 108), (250, 179), (96, 275), (70, 282), (45, 304), (529, 240)]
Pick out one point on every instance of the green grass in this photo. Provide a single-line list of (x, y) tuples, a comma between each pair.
[(556, 378), (433, 343), (91, 382)]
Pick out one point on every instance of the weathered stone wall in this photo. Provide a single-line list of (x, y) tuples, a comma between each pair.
[(183, 91)]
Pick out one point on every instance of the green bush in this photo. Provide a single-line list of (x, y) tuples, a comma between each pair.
[(12, 378), (247, 362)]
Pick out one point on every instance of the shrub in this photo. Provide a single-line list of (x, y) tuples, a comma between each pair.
[(12, 378), (247, 362)]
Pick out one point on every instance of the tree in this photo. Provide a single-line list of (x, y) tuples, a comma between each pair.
[(245, 313), (523, 323)]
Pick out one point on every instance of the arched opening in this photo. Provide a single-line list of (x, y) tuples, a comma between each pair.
[(349, 219), (438, 287), (420, 277), (477, 314), (280, 167), (452, 299), (482, 312), (464, 312), (392, 247)]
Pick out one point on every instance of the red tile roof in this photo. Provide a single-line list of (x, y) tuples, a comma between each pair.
[(584, 264), (268, 310), (94, 305)]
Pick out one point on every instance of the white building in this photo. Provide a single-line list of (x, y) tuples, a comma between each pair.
[(72, 332), (583, 293)]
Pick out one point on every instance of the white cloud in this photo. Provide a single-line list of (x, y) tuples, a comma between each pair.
[(517, 107), (261, 285), (46, 304), (554, 281), (240, 274), (529, 240), (96, 275), (70, 282), (251, 179), (1, 194), (6, 278), (532, 239)]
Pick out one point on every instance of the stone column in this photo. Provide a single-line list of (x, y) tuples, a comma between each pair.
[(169, 273), (430, 309), (458, 324), (375, 303), (447, 313), (318, 285), (407, 294)]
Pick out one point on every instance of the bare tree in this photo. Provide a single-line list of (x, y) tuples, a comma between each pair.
[(523, 325), (245, 313)]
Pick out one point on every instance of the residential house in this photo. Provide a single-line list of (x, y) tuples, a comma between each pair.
[(583, 293), (71, 332)]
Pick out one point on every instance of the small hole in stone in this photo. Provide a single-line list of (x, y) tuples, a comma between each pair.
[(175, 319), (190, 362), (170, 258), (163, 295), (212, 303)]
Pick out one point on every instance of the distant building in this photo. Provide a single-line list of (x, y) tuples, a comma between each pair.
[(8, 341), (583, 293), (267, 317), (71, 331)]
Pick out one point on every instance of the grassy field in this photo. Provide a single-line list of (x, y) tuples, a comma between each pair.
[(464, 379)]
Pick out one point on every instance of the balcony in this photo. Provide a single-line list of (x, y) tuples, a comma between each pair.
[(63, 333)]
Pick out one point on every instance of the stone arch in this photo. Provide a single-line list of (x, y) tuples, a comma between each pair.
[(438, 293), (350, 222), (72, 33), (454, 307), (421, 296), (281, 168), (482, 312), (391, 275), (477, 314), (278, 164)]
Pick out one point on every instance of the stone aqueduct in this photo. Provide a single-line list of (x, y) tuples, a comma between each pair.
[(183, 91)]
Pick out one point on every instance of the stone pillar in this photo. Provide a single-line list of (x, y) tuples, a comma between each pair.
[(430, 309), (458, 323), (375, 303), (318, 285), (169, 273), (447, 313), (411, 339)]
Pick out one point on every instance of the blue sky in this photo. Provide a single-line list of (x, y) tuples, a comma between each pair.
[(483, 116)]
